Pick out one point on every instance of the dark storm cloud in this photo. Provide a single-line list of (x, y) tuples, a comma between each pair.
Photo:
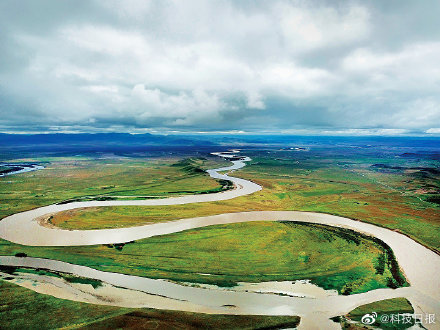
[(282, 66)]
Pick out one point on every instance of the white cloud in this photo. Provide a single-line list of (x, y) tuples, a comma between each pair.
[(99, 89), (107, 40), (127, 9), (308, 28), (433, 130), (255, 101), (368, 131), (294, 81), (412, 68), (213, 63), (184, 108), (418, 113)]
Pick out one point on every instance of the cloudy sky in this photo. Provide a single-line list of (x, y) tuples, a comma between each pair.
[(301, 67)]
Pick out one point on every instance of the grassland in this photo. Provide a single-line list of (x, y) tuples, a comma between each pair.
[(400, 195), (25, 309), (384, 307), (332, 258), (79, 178), (158, 319), (347, 186), (397, 196)]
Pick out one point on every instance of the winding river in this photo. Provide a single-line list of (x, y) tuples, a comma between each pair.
[(420, 265), (22, 168)]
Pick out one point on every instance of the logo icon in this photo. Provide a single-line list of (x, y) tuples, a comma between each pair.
[(369, 318)]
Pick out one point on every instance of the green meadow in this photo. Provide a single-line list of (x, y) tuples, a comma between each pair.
[(332, 258), (386, 307), (73, 179), (348, 187)]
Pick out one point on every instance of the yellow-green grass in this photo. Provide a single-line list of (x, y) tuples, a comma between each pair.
[(159, 319), (389, 307), (127, 216), (333, 258), (351, 193), (25, 309), (71, 179)]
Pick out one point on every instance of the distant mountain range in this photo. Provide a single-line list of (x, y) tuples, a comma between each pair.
[(97, 139), (120, 141)]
